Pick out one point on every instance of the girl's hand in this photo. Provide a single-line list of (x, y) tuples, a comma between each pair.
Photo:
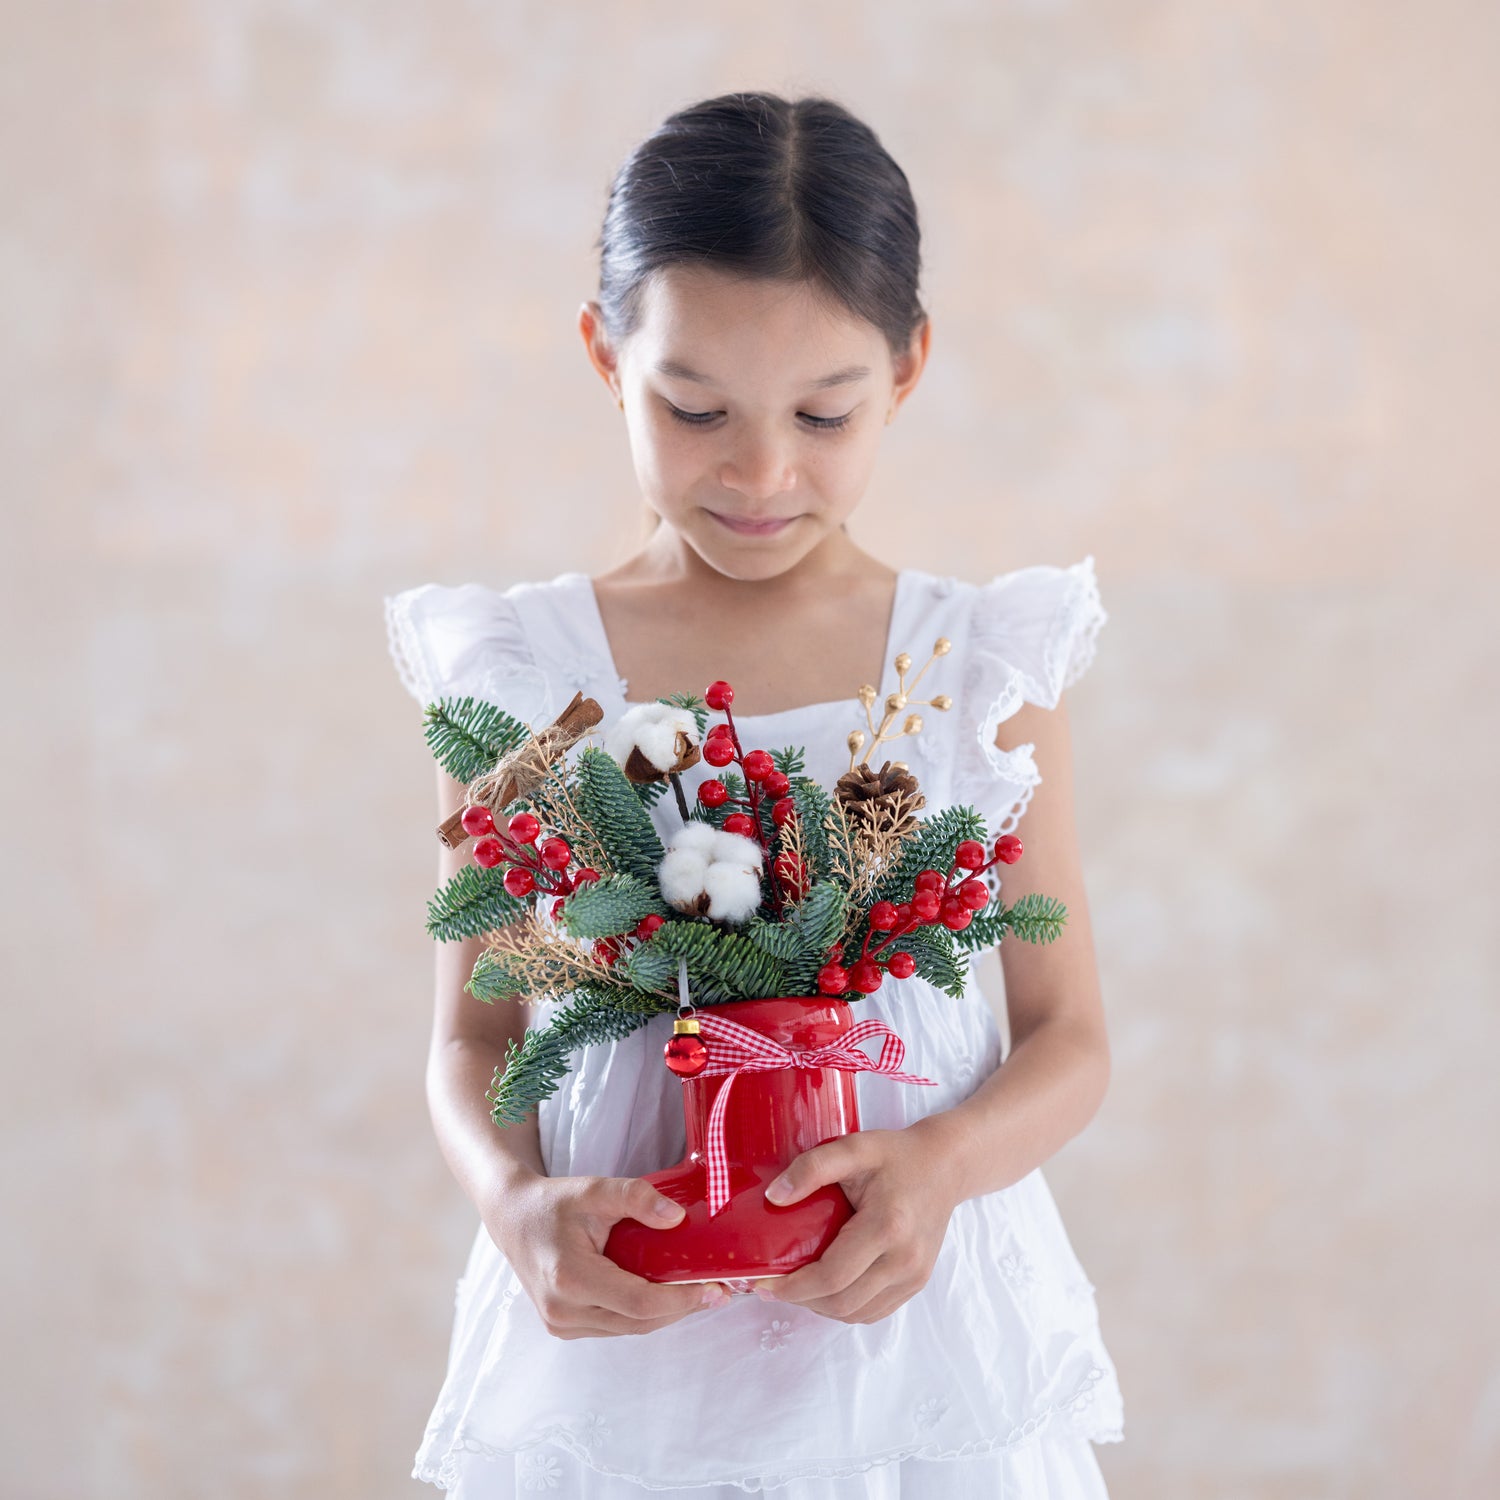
[(553, 1230), (883, 1256)]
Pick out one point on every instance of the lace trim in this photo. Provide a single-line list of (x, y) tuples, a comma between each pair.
[(1072, 637), (406, 648), (446, 1473)]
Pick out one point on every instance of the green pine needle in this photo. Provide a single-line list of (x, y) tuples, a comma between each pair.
[(468, 735), (473, 901), (611, 906)]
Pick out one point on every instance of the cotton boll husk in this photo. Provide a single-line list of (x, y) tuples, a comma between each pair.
[(733, 893), (736, 849), (695, 835), (653, 729), (680, 875)]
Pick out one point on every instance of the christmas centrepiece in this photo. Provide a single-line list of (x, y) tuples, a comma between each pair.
[(759, 923)]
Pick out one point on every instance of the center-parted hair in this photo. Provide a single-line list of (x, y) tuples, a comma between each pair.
[(758, 186)]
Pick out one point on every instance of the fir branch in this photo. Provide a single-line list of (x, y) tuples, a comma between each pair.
[(468, 735), (816, 921), (614, 813), (789, 761), (722, 965), (472, 902), (532, 1071), (812, 814), (611, 906), (694, 705), (933, 948), (1034, 918)]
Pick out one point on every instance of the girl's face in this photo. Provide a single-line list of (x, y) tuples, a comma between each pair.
[(754, 409)]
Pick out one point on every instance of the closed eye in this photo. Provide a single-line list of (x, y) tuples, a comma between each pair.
[(702, 418)]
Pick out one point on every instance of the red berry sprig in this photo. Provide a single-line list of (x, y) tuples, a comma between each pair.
[(529, 868), (764, 783), (951, 898)]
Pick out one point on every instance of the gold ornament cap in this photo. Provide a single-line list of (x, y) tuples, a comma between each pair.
[(685, 1026)]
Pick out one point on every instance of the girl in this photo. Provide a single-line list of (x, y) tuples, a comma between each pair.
[(759, 325)]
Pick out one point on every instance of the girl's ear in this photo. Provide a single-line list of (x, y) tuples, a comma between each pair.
[(909, 366), (601, 353)]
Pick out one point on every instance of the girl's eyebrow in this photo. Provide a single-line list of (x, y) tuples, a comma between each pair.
[(846, 376)]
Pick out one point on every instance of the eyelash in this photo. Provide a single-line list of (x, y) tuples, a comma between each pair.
[(701, 419)]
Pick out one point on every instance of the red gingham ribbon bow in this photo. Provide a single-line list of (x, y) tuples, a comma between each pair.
[(737, 1049)]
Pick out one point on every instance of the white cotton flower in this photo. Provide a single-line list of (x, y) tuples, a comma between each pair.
[(651, 741), (707, 872)]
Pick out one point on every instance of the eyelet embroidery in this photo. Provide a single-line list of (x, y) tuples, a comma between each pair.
[(540, 1471), (1019, 1271), (777, 1336), (592, 1429), (930, 1412)]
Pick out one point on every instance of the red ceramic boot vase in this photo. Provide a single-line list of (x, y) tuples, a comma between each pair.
[(770, 1118)]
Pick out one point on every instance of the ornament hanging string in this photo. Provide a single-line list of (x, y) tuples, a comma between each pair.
[(737, 1049)]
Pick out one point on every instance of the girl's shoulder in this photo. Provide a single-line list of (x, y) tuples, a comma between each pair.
[(527, 646), (1036, 626)]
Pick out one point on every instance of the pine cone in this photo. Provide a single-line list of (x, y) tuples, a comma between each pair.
[(887, 798)]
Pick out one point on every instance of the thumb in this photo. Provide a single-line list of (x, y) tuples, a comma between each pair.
[(651, 1207), (815, 1168)]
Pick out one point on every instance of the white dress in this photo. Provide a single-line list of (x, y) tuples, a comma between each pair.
[(993, 1380)]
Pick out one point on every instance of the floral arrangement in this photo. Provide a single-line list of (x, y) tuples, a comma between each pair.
[(772, 885)]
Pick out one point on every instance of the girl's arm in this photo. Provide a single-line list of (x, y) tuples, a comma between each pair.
[(1055, 1075), (469, 1040)]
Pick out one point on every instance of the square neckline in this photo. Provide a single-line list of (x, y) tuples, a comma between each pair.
[(898, 599)]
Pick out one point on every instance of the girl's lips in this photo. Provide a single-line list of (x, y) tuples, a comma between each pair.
[(753, 528)]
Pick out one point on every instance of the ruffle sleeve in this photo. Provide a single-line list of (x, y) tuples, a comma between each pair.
[(465, 640), (1031, 636)]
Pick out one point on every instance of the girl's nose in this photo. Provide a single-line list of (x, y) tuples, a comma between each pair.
[(758, 471)]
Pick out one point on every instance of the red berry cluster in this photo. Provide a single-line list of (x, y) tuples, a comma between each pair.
[(607, 950), (951, 899), (763, 784), (530, 868)]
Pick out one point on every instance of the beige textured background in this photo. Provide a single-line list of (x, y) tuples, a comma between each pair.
[(287, 294)]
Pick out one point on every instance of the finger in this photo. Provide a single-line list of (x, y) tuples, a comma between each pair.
[(857, 1301), (600, 1322), (856, 1247), (605, 1285), (616, 1198), (817, 1167)]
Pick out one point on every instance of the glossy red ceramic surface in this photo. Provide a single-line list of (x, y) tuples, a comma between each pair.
[(771, 1118)]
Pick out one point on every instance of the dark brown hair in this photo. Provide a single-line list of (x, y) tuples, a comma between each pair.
[(758, 186)]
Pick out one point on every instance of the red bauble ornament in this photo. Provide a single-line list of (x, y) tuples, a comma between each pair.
[(585, 876), (784, 812), (777, 783), (477, 821), (685, 1053), (925, 906), (882, 916), (556, 853), (833, 979), (718, 750), (758, 765), (969, 855), (866, 976), (488, 852), (523, 828), (974, 894), (1007, 848), (713, 792), (519, 881), (929, 880), (718, 696), (901, 965)]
